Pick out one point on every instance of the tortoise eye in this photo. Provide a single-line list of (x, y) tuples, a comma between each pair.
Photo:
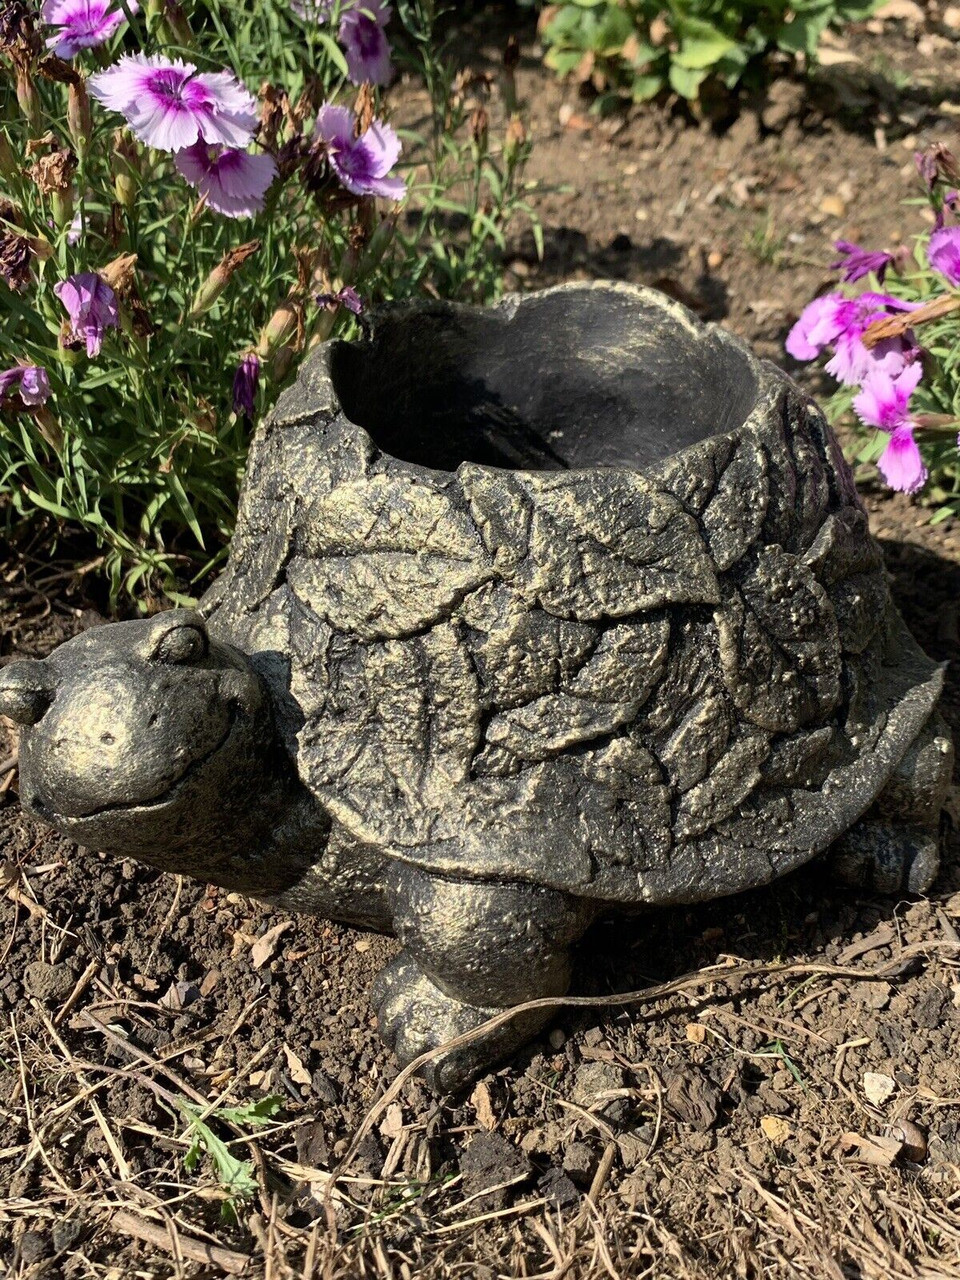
[(182, 645)]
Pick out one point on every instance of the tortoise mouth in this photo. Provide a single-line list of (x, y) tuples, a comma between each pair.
[(578, 376), (168, 796)]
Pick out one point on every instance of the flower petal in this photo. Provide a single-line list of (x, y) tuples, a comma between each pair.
[(901, 464), (943, 253)]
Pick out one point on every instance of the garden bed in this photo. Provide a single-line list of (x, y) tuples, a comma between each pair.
[(727, 1130)]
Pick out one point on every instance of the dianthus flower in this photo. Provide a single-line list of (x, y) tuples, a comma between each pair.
[(884, 402), (92, 307), (83, 23), (245, 382), (943, 253), (361, 164), (345, 297), (170, 105), (834, 320), (233, 181), (30, 381), (858, 262), (365, 43)]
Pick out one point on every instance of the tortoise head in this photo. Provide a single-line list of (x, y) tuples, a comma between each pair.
[(142, 738)]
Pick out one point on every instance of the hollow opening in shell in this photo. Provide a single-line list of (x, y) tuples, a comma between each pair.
[(574, 378)]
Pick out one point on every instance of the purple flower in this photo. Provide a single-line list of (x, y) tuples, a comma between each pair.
[(29, 380), (858, 262), (234, 182), (92, 307), (245, 382), (900, 464), (884, 402), (170, 105), (346, 297), (943, 253), (361, 164), (836, 320), (82, 23), (365, 43)]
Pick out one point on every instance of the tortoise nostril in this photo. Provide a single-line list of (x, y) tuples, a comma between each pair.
[(107, 739)]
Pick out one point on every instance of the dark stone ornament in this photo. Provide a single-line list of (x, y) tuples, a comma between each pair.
[(529, 612)]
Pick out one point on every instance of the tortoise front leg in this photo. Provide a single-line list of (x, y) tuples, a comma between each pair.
[(895, 847), (470, 951)]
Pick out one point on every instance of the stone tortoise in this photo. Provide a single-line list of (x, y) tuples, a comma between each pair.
[(531, 612)]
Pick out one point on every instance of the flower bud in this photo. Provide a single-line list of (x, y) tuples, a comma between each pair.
[(125, 167), (177, 24), (79, 122), (480, 126), (29, 100), (282, 363), (514, 140), (49, 427), (280, 328), (220, 277)]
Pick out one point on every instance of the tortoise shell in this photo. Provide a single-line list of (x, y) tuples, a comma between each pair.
[(573, 591)]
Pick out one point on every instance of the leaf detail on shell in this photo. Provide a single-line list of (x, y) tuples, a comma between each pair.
[(589, 545)]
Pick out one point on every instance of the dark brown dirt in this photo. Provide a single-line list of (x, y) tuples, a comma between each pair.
[(725, 1113)]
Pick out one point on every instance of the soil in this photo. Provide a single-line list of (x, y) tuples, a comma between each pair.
[(802, 1125)]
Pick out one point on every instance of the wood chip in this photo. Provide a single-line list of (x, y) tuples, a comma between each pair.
[(264, 947), (483, 1105), (696, 1032), (870, 1148), (298, 1072)]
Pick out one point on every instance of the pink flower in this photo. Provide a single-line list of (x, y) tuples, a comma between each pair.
[(884, 402), (83, 23), (834, 320), (900, 464), (30, 381), (92, 307), (234, 182), (170, 105), (361, 164), (365, 43), (943, 253)]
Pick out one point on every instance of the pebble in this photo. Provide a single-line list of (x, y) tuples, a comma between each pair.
[(48, 982)]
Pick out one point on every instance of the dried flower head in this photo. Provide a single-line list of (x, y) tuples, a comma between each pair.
[(54, 172), (15, 255)]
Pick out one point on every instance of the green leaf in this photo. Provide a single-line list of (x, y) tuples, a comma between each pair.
[(686, 81), (701, 45)]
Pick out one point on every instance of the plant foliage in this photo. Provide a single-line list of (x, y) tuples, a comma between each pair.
[(638, 48)]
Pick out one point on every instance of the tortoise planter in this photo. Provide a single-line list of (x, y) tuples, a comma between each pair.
[(530, 612)]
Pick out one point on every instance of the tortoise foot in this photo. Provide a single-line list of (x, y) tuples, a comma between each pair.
[(416, 1017)]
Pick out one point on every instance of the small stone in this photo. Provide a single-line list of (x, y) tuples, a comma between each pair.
[(33, 1247), (593, 1081), (47, 982), (951, 17), (878, 1088), (557, 1038), (714, 259), (580, 1163), (833, 206)]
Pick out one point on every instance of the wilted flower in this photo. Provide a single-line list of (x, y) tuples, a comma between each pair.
[(30, 381), (345, 297), (220, 277), (82, 23), (91, 306), (15, 254), (361, 164), (834, 319), (943, 253), (233, 181), (170, 105), (245, 382), (364, 41), (858, 262), (884, 402)]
